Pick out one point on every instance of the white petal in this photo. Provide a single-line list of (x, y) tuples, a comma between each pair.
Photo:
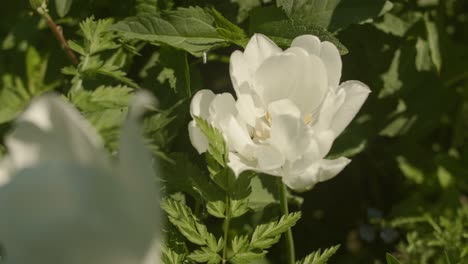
[(324, 141), (288, 130), (356, 94), (330, 168), (317, 172), (6, 169), (312, 85), (51, 129), (222, 107), (201, 102), (331, 58), (239, 70), (268, 158), (248, 105), (330, 105), (198, 139), (295, 75), (309, 43), (239, 164), (258, 49), (83, 212), (237, 136)]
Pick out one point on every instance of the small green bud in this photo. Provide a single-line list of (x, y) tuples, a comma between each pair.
[(35, 4)]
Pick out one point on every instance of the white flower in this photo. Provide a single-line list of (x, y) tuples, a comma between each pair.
[(63, 200), (290, 108)]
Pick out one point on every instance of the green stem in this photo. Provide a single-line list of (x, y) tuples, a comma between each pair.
[(289, 240), (227, 221)]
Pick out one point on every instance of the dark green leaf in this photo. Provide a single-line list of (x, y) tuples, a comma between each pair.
[(333, 14), (272, 22)]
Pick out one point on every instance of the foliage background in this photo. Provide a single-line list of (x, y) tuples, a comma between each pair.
[(405, 191)]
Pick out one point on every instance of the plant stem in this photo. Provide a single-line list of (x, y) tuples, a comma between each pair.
[(227, 221), (289, 240), (59, 35)]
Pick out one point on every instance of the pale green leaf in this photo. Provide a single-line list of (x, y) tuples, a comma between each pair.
[(63, 7), (434, 42), (218, 148), (266, 235), (319, 257)]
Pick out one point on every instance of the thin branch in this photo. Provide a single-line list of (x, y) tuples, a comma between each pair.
[(57, 30)]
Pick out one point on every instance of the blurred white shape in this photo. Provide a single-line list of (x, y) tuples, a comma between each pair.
[(63, 200)]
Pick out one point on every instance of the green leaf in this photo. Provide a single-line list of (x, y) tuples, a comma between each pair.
[(191, 29), (391, 259), (13, 97), (266, 235), (184, 176), (434, 42), (228, 30), (63, 7), (181, 216), (176, 70), (319, 257), (106, 108), (170, 256), (272, 22), (218, 148), (205, 255), (146, 6), (333, 14)]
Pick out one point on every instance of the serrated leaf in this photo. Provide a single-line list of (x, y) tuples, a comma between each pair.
[(273, 22), (391, 259), (319, 257), (191, 29), (265, 235), (205, 255), (63, 7), (106, 108), (216, 209), (228, 30), (146, 6), (333, 14), (181, 216), (218, 148), (170, 256), (239, 207)]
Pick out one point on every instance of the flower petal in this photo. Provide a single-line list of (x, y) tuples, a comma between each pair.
[(288, 130), (199, 140), (222, 107), (51, 129), (317, 172), (331, 58), (248, 105), (137, 174), (333, 101), (258, 49), (201, 102), (239, 164), (356, 94), (268, 158), (237, 136), (309, 43), (239, 69), (294, 74)]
